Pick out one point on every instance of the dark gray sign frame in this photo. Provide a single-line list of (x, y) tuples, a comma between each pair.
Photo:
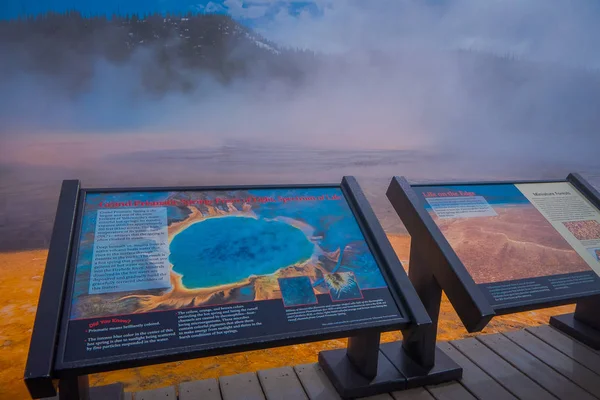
[(584, 323), (434, 266), (374, 373)]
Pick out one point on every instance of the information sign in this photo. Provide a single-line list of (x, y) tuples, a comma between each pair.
[(203, 269), (529, 242)]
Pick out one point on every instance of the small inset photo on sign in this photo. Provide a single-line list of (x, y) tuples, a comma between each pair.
[(596, 253), (584, 230), (343, 286), (297, 291)]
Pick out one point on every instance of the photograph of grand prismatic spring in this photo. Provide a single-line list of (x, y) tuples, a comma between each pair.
[(218, 248), (210, 93)]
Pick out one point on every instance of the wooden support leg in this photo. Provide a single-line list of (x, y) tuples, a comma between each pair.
[(76, 388), (584, 324), (363, 352)]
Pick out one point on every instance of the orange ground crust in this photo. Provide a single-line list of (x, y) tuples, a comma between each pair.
[(20, 280)]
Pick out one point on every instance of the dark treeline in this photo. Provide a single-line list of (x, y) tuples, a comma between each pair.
[(168, 48)]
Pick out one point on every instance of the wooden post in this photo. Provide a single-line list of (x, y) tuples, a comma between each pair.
[(421, 347), (363, 352), (77, 388)]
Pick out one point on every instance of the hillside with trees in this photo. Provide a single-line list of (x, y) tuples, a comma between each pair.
[(167, 49)]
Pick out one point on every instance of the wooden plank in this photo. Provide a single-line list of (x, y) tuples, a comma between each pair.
[(548, 378), (383, 396), (566, 366), (241, 387), (450, 391), (281, 383), (165, 393), (206, 389), (567, 345), (412, 394), (315, 383), (474, 378), (505, 374)]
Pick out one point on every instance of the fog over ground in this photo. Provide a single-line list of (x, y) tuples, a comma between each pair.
[(392, 79)]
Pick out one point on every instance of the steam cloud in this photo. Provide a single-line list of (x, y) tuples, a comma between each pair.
[(431, 89), (514, 81)]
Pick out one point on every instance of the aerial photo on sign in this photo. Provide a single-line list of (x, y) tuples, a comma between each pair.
[(180, 268), (520, 242)]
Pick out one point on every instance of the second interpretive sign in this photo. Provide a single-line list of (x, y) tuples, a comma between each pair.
[(520, 242)]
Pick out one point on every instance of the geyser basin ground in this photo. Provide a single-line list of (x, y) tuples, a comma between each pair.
[(226, 250)]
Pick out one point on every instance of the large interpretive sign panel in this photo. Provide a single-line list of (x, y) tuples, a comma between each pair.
[(164, 270), (520, 242)]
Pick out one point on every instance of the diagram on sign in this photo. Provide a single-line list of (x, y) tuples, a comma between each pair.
[(297, 291), (343, 286), (584, 230)]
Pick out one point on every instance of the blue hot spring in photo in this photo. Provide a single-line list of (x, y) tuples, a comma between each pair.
[(226, 250)]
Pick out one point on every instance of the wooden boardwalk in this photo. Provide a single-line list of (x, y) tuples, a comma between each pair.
[(536, 363)]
